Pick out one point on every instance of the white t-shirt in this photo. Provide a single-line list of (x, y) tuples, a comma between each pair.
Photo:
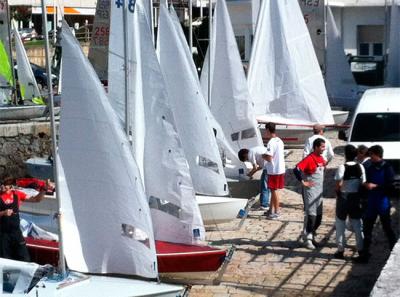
[(351, 185), (255, 155), (328, 153), (275, 150)]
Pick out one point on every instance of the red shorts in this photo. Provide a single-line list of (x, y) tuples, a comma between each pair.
[(276, 182)]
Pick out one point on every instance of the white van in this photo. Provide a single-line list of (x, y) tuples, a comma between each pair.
[(376, 121)]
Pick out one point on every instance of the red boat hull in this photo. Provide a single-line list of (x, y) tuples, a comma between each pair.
[(171, 257)]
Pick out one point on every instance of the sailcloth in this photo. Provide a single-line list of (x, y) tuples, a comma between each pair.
[(106, 214), (176, 215), (340, 83), (393, 67), (6, 77), (27, 82), (231, 104), (194, 121), (284, 78)]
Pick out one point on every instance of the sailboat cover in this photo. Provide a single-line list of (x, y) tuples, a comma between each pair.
[(27, 82), (340, 83), (193, 119), (284, 78), (176, 215), (106, 218), (231, 104), (6, 77), (393, 67)]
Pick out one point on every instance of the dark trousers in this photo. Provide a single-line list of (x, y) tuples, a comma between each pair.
[(13, 246), (387, 228)]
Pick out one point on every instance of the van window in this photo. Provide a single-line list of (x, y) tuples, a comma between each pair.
[(376, 127)]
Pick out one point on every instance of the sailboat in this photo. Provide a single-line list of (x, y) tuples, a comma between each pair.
[(27, 84), (393, 66), (175, 214), (138, 93), (230, 101), (194, 122), (341, 86), (285, 80), (110, 230)]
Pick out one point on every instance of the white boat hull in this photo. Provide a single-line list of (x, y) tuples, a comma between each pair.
[(21, 112), (215, 210), (103, 286), (340, 116)]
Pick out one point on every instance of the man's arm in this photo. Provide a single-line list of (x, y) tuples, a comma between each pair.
[(39, 197), (253, 170), (267, 158)]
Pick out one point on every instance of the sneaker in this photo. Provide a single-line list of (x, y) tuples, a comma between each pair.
[(268, 212), (273, 216), (264, 207), (339, 255), (309, 245)]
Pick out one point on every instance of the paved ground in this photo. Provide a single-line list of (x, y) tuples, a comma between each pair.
[(269, 260)]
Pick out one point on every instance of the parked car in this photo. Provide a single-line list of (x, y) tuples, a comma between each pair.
[(376, 121), (28, 34)]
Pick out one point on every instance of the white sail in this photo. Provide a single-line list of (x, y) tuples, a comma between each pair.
[(176, 215), (284, 78), (193, 118), (27, 82), (340, 84), (107, 203), (98, 49), (231, 104), (393, 66)]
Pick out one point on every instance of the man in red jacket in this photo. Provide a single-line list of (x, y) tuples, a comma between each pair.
[(12, 243)]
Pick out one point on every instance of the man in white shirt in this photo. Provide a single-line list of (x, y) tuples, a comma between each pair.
[(328, 154), (256, 156), (275, 168)]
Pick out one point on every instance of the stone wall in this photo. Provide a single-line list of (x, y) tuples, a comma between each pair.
[(21, 141)]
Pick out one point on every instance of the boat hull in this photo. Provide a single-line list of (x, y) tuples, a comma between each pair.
[(216, 210), (171, 257)]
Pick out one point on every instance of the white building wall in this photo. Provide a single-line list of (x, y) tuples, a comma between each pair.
[(355, 16)]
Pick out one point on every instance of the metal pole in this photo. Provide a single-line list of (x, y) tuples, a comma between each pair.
[(126, 69), (62, 266), (13, 88), (190, 4), (151, 16), (209, 49)]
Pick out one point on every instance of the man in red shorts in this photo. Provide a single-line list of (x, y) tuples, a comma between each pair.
[(275, 169), (12, 243)]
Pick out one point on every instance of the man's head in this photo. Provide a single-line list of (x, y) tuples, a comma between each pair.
[(269, 130), (376, 153), (318, 129), (362, 152), (319, 146), (7, 184), (350, 152), (243, 155)]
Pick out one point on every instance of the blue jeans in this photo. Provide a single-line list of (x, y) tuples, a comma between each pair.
[(265, 193)]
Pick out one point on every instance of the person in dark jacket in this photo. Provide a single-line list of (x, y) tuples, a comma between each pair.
[(379, 181), (12, 243)]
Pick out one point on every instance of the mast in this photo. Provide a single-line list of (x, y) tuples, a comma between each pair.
[(151, 20), (13, 88), (209, 49), (62, 266), (126, 69), (190, 4)]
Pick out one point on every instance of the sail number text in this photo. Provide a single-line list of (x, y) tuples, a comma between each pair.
[(131, 4)]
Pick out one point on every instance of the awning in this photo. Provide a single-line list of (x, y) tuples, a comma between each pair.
[(67, 10)]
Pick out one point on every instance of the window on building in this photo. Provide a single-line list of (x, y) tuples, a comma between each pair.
[(378, 49), (363, 49), (370, 40)]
